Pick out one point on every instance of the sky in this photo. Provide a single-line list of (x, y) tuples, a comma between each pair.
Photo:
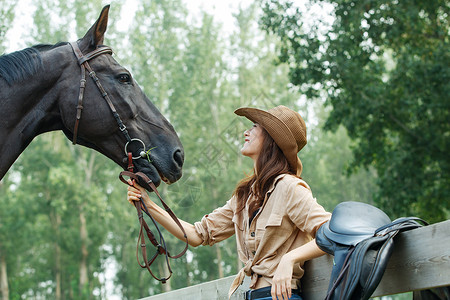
[(222, 11)]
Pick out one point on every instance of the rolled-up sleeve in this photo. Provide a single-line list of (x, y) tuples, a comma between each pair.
[(303, 209), (216, 226)]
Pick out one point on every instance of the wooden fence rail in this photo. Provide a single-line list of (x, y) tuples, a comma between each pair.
[(421, 260)]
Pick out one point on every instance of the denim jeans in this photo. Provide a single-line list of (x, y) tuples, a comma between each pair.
[(268, 297), (294, 296)]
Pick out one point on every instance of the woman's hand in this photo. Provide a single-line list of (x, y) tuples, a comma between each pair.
[(136, 192), (281, 282)]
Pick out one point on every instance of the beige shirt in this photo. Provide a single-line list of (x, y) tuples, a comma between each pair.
[(288, 219)]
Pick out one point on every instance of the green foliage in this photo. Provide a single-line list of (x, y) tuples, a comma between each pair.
[(7, 14), (16, 232), (197, 76), (384, 67), (52, 18), (51, 196), (326, 160)]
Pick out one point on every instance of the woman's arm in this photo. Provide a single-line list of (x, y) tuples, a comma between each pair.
[(281, 282), (135, 192)]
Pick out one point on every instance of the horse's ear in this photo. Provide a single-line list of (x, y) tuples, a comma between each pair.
[(95, 34)]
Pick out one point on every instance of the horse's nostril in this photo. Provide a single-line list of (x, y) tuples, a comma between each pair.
[(178, 156)]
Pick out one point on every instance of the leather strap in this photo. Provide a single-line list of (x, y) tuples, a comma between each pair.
[(84, 65), (161, 248), (79, 54)]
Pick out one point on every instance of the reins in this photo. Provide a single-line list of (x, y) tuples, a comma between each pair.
[(161, 248)]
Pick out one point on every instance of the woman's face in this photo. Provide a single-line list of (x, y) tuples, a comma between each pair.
[(253, 142)]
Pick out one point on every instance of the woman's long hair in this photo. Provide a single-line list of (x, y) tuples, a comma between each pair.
[(271, 162)]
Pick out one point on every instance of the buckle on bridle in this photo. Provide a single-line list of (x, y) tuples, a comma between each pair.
[(122, 128)]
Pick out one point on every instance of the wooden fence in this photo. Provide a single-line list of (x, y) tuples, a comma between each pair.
[(421, 260)]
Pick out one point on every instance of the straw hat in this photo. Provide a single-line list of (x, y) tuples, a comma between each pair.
[(285, 126)]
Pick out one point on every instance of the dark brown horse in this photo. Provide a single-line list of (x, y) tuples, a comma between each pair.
[(42, 89)]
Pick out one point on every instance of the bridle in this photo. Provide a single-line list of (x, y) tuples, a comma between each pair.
[(83, 61), (84, 65), (139, 177)]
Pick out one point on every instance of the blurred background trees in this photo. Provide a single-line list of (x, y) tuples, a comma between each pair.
[(371, 81), (385, 68)]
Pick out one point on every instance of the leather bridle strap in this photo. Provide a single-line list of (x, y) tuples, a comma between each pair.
[(84, 65), (161, 248)]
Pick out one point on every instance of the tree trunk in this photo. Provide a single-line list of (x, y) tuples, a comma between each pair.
[(84, 253), (164, 271), (188, 270), (58, 266), (58, 273), (215, 195), (3, 270), (84, 279), (4, 278), (55, 221), (219, 261)]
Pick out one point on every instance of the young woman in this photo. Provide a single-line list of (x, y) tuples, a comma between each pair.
[(272, 212)]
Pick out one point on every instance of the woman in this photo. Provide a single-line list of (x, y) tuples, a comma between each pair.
[(272, 212)]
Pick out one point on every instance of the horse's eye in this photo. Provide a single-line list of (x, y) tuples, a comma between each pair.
[(124, 78)]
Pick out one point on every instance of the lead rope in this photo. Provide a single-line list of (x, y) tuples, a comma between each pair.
[(161, 248)]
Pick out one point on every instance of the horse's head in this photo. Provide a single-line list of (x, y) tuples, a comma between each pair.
[(154, 144)]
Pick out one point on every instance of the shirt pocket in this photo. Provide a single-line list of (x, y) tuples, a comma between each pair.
[(269, 227), (274, 220), (276, 231)]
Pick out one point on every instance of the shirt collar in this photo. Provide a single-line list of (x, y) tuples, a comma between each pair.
[(274, 183), (272, 187)]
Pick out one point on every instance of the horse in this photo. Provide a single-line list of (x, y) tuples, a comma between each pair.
[(41, 90)]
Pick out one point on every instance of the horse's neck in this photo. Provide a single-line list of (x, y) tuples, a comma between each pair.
[(27, 104), (28, 109)]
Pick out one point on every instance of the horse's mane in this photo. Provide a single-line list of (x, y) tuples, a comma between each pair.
[(19, 65)]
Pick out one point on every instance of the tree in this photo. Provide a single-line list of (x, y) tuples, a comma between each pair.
[(52, 182), (7, 14), (8, 215), (384, 66), (326, 159)]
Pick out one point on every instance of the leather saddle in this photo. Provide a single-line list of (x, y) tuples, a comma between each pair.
[(361, 239)]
